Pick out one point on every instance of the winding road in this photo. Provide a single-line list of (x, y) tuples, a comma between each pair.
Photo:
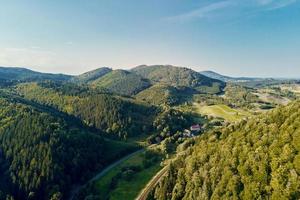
[(76, 189)]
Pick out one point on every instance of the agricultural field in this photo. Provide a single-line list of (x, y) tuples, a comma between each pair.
[(272, 98), (295, 88), (222, 111), (126, 179)]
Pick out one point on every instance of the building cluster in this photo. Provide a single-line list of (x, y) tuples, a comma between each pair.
[(194, 129)]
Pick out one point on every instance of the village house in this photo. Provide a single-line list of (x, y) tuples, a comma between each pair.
[(187, 133), (195, 128)]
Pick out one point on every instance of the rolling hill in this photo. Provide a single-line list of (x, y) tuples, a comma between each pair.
[(23, 74), (159, 94), (43, 153), (257, 158), (122, 82), (91, 75), (179, 76), (107, 113)]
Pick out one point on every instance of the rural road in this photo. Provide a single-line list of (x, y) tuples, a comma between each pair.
[(144, 194), (76, 189)]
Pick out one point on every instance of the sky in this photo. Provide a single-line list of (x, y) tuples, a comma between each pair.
[(232, 37)]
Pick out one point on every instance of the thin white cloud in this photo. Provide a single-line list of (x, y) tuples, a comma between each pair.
[(225, 7), (274, 4), (264, 2), (280, 4), (202, 12)]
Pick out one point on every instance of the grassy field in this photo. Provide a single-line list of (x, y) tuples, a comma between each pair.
[(291, 87), (127, 189), (222, 111), (266, 96)]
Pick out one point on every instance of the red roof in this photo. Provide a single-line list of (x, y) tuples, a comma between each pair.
[(196, 126)]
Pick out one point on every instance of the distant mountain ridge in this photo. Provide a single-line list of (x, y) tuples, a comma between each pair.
[(24, 74), (224, 78), (123, 82)]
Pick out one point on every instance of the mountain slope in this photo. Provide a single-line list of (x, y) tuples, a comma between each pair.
[(42, 154), (91, 75), (178, 76), (122, 82), (159, 94), (254, 159), (23, 74), (105, 112)]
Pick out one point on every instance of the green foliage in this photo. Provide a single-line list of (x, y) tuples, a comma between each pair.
[(125, 180), (22, 74), (223, 111), (122, 82), (170, 121), (119, 117), (238, 96), (179, 76), (91, 75), (253, 159), (161, 94), (43, 154)]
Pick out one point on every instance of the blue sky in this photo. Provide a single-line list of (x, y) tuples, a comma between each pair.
[(233, 37)]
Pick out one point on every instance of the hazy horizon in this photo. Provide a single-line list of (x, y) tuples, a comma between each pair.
[(256, 38), (129, 68)]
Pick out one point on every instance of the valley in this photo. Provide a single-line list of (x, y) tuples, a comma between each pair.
[(117, 134), (150, 100)]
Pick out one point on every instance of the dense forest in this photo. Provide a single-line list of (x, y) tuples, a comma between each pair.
[(117, 116), (179, 76), (42, 154), (161, 94), (122, 82), (90, 76), (254, 159), (23, 74), (58, 131)]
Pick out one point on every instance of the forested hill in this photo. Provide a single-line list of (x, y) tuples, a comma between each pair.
[(91, 75), (122, 82), (119, 117), (23, 74), (179, 76), (160, 94), (254, 159), (41, 154)]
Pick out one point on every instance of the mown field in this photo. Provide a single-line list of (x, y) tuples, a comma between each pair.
[(126, 188), (222, 111)]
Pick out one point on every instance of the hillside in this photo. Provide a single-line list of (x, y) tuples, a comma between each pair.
[(42, 153), (254, 159), (160, 94), (23, 74), (179, 76), (91, 75), (105, 112), (121, 82)]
